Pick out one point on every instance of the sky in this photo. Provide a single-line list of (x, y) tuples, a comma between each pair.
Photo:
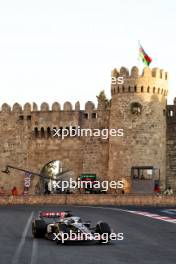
[(65, 50)]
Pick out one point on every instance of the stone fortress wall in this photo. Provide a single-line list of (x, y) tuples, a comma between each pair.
[(139, 106), (171, 145), (27, 141)]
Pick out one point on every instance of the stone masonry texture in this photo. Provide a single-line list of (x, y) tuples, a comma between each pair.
[(26, 136)]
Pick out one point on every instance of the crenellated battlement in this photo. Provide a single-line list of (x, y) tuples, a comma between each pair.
[(45, 107), (153, 73), (153, 81), (138, 105)]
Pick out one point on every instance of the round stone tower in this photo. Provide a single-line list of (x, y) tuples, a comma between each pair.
[(138, 106)]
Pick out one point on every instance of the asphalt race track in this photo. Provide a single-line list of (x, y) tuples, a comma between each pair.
[(146, 240)]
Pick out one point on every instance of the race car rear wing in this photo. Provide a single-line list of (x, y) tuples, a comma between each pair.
[(55, 214)]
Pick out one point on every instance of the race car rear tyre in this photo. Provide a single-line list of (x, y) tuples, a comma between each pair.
[(39, 228), (65, 230), (103, 228)]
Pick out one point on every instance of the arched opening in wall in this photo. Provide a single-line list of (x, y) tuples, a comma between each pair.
[(94, 115), (56, 178), (42, 132), (28, 117), (36, 132), (21, 117), (86, 115), (48, 132)]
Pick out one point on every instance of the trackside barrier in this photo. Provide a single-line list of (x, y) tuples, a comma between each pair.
[(91, 199)]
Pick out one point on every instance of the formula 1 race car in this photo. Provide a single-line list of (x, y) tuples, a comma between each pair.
[(63, 227)]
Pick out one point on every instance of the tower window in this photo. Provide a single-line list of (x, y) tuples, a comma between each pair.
[(29, 117), (148, 89), (136, 108), (142, 89)]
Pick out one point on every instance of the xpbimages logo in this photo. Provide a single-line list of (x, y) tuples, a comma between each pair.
[(117, 80), (87, 132), (81, 184), (87, 236)]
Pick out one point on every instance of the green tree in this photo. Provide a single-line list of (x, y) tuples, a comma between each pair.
[(102, 99)]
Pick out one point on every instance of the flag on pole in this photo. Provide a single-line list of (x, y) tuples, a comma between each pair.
[(27, 182), (143, 55)]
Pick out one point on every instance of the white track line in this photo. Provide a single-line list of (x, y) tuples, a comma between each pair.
[(16, 256), (146, 214), (34, 255), (155, 216), (102, 207)]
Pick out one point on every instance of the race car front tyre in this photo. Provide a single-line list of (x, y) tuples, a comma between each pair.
[(103, 228), (39, 228)]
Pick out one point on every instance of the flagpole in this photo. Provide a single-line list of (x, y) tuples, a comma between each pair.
[(138, 59)]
